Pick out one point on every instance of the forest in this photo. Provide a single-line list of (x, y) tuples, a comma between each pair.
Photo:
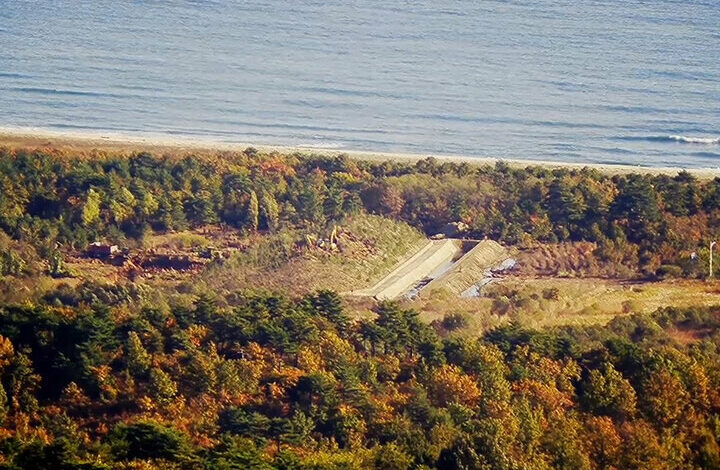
[(643, 222), (104, 375), (276, 383)]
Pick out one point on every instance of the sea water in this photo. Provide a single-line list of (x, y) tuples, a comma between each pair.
[(603, 81)]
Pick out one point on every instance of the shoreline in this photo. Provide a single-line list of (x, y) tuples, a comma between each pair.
[(114, 141)]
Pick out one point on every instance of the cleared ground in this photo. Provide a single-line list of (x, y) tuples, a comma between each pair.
[(553, 285), (368, 247)]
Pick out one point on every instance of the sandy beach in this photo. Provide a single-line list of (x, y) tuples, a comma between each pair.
[(117, 142)]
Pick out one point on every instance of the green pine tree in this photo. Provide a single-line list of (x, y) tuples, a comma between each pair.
[(138, 359), (253, 212)]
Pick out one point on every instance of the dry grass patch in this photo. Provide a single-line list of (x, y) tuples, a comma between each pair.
[(548, 302), (570, 259), (368, 247), (469, 269), (178, 241)]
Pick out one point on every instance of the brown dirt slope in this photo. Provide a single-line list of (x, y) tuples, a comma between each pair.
[(561, 259)]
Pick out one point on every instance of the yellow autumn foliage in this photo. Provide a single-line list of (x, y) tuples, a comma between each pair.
[(451, 385)]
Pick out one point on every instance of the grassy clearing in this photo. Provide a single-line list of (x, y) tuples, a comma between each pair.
[(92, 270), (583, 301), (20, 290), (554, 302), (368, 247), (178, 241)]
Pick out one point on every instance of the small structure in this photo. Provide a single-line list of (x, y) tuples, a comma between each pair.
[(451, 230), (102, 250)]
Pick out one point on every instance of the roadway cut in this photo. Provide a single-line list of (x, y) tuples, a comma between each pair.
[(450, 264), (429, 259), (470, 269)]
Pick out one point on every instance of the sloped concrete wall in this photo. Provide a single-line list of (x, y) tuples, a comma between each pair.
[(422, 264), (469, 269)]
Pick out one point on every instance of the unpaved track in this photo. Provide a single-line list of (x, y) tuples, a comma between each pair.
[(420, 265)]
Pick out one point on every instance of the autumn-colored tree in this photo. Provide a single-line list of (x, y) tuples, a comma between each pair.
[(391, 457), (604, 442), (451, 385), (391, 201), (7, 351), (665, 398), (642, 447)]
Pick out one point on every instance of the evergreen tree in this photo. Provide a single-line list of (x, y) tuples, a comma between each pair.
[(91, 208), (310, 204), (138, 359), (333, 204), (170, 215), (329, 305), (200, 208), (636, 207), (252, 216), (565, 207), (607, 392), (162, 387), (149, 440), (269, 212)]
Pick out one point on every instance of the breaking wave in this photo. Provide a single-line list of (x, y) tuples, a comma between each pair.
[(691, 140)]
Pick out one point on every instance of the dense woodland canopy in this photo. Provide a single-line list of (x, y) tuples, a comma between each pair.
[(104, 376), (295, 384)]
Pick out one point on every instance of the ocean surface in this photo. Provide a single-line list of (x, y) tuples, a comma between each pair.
[(606, 81)]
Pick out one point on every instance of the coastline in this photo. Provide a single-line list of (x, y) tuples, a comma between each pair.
[(118, 142)]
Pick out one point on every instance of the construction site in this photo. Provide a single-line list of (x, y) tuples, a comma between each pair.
[(456, 266), (370, 258)]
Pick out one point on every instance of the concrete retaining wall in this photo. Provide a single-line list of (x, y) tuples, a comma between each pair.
[(422, 264)]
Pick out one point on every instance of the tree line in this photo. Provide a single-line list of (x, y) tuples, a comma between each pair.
[(268, 382), (51, 202)]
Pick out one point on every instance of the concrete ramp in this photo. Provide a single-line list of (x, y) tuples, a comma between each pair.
[(422, 264)]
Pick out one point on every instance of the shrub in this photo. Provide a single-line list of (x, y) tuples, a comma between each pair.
[(551, 293), (149, 440), (454, 321), (501, 306), (669, 271)]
